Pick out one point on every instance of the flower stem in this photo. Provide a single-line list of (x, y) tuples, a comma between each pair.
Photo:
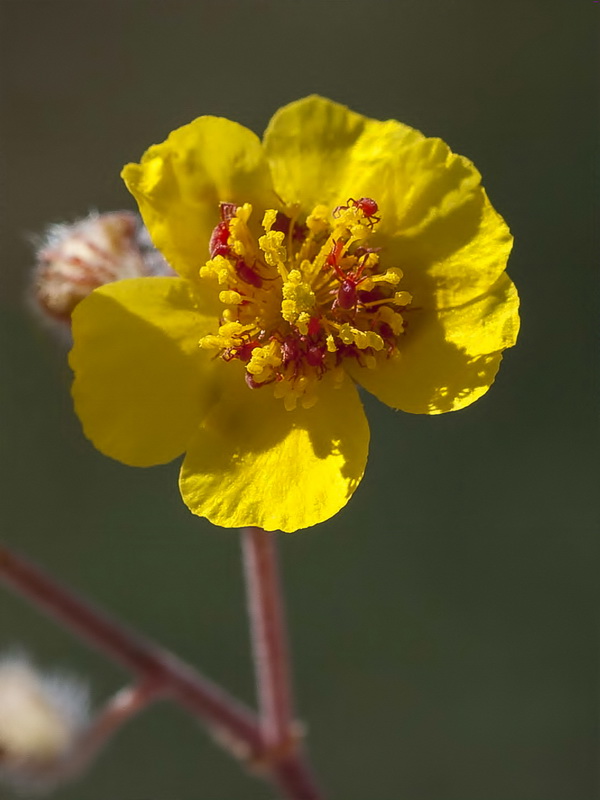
[(272, 664), (160, 673), (190, 689), (269, 642)]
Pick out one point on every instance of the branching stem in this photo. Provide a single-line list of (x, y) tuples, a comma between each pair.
[(232, 723)]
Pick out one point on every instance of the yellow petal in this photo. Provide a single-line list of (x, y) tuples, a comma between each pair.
[(447, 359), (436, 221), (437, 224), (140, 377), (178, 186), (313, 146), (254, 463)]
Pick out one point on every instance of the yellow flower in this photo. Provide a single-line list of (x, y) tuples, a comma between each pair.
[(339, 251)]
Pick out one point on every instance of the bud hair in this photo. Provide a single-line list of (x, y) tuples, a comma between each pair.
[(76, 258)]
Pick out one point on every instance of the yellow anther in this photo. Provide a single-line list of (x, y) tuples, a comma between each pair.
[(403, 298), (362, 339), (309, 400), (211, 342), (218, 267), (272, 246), (309, 270), (269, 219), (239, 248), (347, 218), (360, 231), (240, 239), (391, 318), (298, 298), (302, 323), (234, 329), (391, 276), (264, 361), (231, 334), (230, 297), (374, 340), (290, 401), (288, 310), (243, 212), (346, 334), (277, 288), (351, 220)]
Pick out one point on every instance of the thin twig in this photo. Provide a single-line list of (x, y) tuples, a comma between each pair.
[(124, 705)]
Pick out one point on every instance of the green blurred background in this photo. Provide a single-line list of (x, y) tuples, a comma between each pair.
[(441, 623)]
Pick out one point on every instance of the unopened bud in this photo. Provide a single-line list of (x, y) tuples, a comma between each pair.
[(77, 258), (41, 717)]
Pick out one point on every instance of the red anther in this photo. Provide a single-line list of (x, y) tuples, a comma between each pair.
[(248, 274), (346, 295), (314, 326), (315, 355), (227, 211), (218, 241)]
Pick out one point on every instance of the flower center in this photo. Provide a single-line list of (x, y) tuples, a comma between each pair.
[(302, 298)]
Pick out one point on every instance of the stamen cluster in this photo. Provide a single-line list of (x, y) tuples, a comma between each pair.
[(303, 296)]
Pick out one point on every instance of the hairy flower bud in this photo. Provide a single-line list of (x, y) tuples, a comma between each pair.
[(76, 258), (41, 717)]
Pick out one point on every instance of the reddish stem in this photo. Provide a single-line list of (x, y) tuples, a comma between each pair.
[(272, 663), (188, 687), (232, 723), (269, 643), (295, 778), (118, 710)]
